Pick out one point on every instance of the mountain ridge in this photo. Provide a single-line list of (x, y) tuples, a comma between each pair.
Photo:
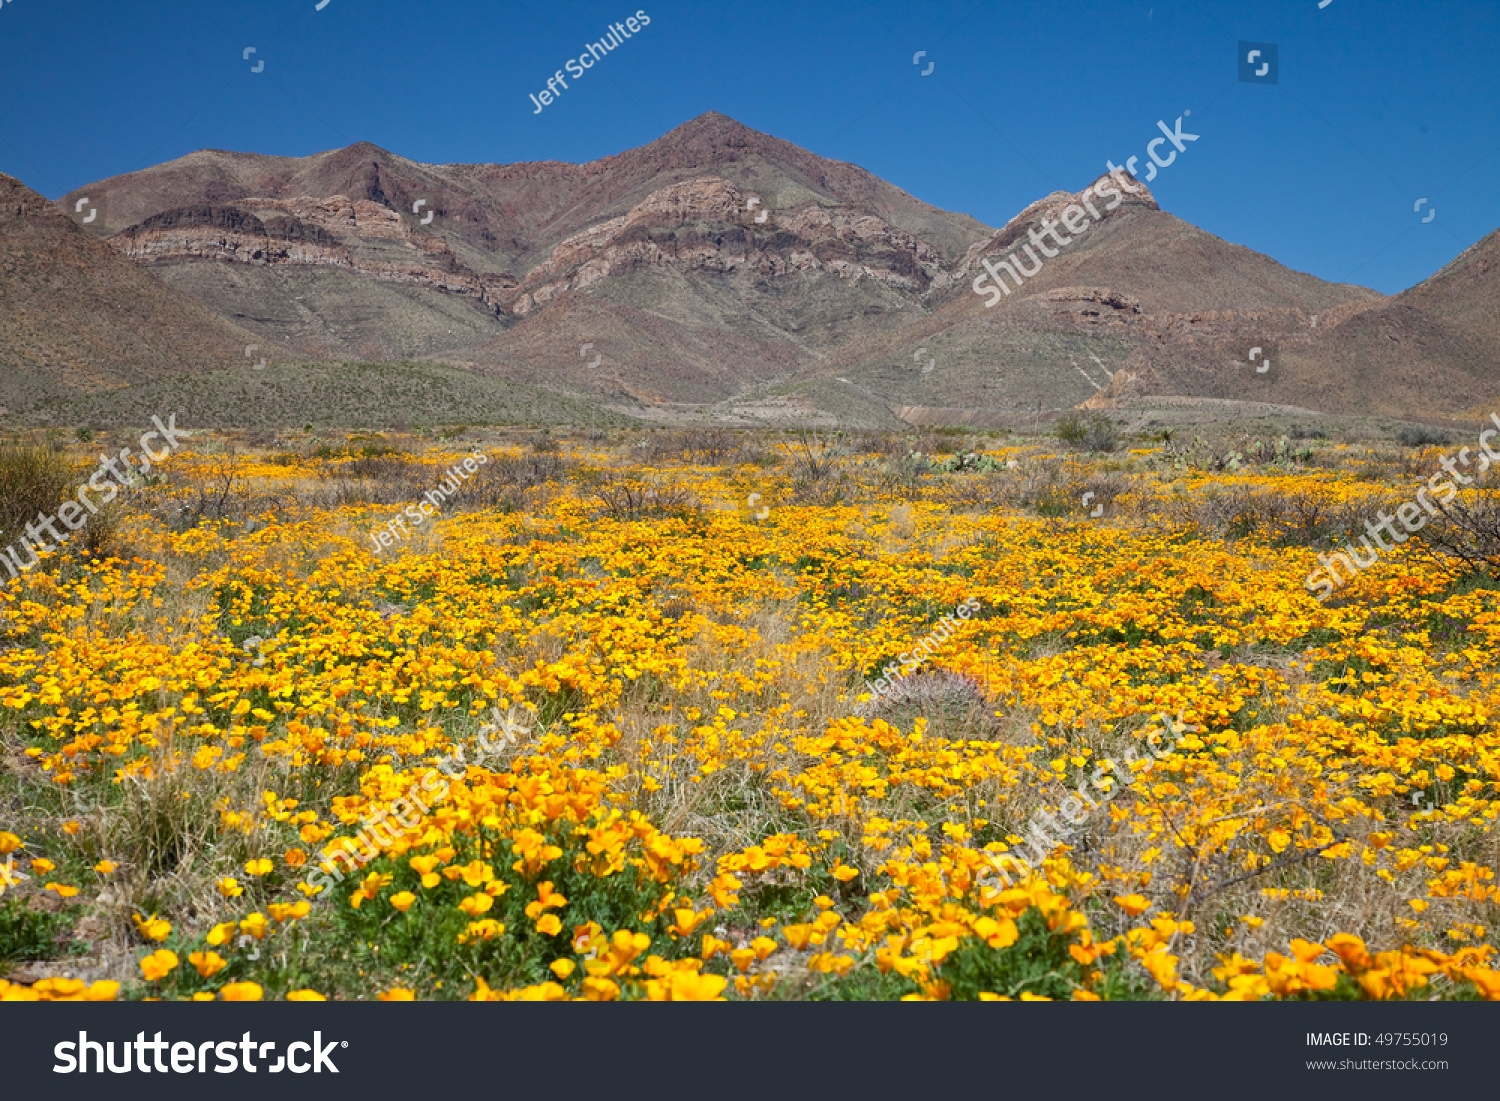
[(716, 259)]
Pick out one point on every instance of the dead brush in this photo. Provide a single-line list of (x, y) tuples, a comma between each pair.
[(625, 498), (710, 446), (1109, 491), (1464, 539), (222, 494), (814, 458), (1039, 478)]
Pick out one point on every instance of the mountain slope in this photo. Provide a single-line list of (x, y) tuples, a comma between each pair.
[(754, 255), (77, 318), (500, 217), (1138, 301), (1432, 349)]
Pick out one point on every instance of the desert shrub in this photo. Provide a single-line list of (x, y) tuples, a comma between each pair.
[(1421, 435), (968, 462), (1054, 501), (385, 467), (223, 493), (905, 474), (710, 446), (1464, 536), (938, 441), (1380, 466), (1096, 432), (356, 447), (1302, 432), (814, 458), (1303, 519), (1278, 452), (985, 491), (1038, 479), (32, 480), (626, 498), (368, 447), (524, 471), (876, 443), (1300, 519), (1103, 490), (102, 536), (1233, 513), (762, 457)]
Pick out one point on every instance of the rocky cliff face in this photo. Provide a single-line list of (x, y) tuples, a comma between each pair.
[(702, 225), (710, 225), (333, 232), (229, 233)]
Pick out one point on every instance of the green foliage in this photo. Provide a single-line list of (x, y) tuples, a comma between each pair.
[(1037, 963), (340, 946), (969, 462), (27, 934), (1096, 432), (32, 480), (1420, 435)]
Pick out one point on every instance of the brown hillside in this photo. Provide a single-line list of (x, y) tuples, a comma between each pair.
[(1431, 350), (1138, 302), (77, 318)]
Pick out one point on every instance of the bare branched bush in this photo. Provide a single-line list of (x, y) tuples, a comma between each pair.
[(1464, 536), (1039, 483), (1421, 435), (377, 467), (1305, 519), (1106, 490), (525, 471), (710, 446), (626, 498), (939, 441), (878, 443), (223, 493)]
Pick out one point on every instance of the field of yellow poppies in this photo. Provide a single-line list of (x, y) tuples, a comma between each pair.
[(606, 725)]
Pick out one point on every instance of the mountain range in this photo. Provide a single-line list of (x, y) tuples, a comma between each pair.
[(716, 268)]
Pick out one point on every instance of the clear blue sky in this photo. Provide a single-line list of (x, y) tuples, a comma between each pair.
[(1378, 103)]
